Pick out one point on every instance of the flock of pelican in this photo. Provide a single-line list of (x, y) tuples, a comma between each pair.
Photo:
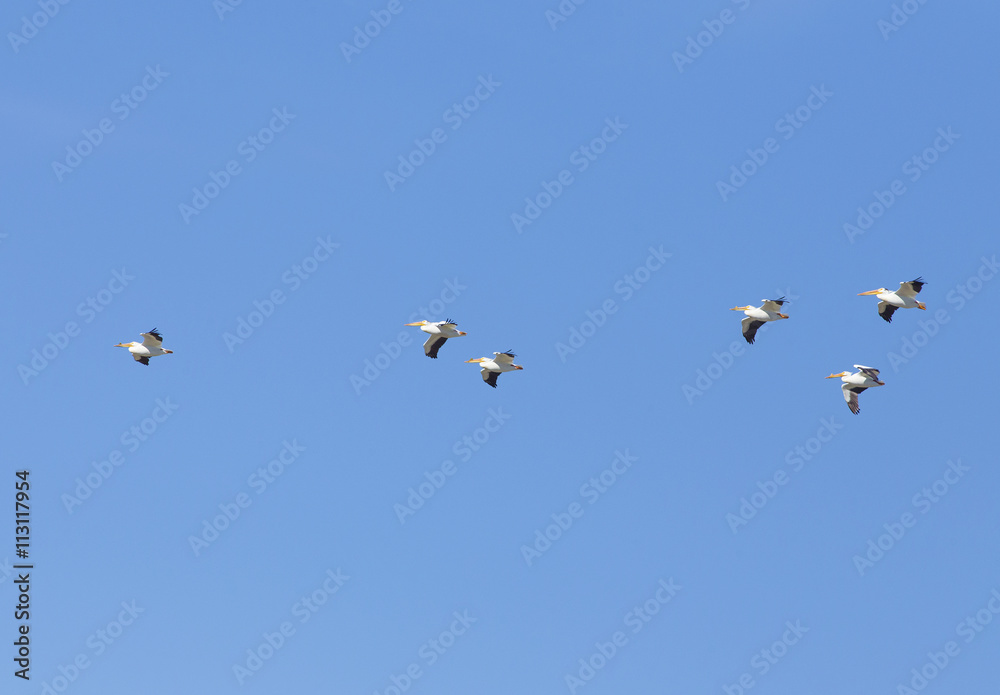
[(492, 367), (440, 331), (866, 377)]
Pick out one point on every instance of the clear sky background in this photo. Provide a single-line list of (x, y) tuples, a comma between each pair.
[(665, 379)]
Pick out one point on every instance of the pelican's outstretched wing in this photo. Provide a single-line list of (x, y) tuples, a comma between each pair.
[(851, 396), (152, 339), (433, 344), (773, 305), (750, 327), (911, 288)]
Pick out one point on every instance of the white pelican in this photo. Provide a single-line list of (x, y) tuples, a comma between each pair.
[(770, 310), (903, 298), (854, 384), (493, 366), (440, 332), (149, 347)]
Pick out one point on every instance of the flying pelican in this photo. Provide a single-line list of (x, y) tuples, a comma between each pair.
[(149, 347), (770, 310), (854, 384), (903, 298), (493, 366), (440, 332)]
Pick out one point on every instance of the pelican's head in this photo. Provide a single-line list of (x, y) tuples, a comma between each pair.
[(418, 323), (741, 308), (880, 290), (126, 345), (836, 376), (477, 359)]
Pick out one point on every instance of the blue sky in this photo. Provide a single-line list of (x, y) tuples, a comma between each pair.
[(594, 190)]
